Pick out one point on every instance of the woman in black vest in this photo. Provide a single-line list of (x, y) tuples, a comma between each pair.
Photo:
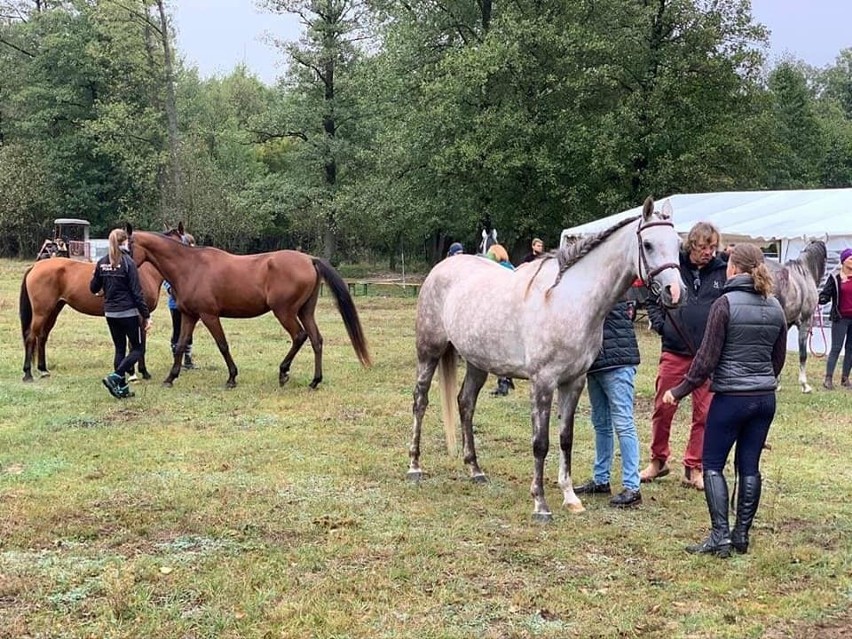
[(744, 348)]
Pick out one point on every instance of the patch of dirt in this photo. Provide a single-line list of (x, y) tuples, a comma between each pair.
[(833, 627)]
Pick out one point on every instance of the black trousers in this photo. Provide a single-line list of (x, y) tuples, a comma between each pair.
[(126, 330)]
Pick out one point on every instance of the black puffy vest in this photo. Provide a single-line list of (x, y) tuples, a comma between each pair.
[(619, 347), (745, 363)]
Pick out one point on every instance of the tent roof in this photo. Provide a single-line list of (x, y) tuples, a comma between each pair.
[(753, 215)]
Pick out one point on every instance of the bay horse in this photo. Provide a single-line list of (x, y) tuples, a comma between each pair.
[(210, 283), (797, 288), (542, 322), (49, 285)]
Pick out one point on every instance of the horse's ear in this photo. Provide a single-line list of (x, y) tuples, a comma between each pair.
[(128, 227), (180, 228), (494, 234), (648, 209), (667, 211)]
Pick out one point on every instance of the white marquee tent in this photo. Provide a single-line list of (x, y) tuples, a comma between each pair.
[(790, 218)]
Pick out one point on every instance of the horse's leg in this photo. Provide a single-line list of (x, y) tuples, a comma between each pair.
[(143, 368), (541, 398), (214, 325), (309, 322), (569, 395), (425, 371), (33, 342), (187, 327), (298, 335), (474, 380), (804, 331), (49, 323)]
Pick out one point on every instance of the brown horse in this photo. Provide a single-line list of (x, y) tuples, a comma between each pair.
[(49, 285), (210, 283)]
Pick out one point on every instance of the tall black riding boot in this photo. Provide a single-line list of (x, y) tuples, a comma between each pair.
[(748, 498), (502, 387), (716, 493)]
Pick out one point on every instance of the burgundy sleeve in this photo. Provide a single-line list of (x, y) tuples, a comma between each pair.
[(708, 354)]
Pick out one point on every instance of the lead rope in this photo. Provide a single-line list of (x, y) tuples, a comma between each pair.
[(822, 332)]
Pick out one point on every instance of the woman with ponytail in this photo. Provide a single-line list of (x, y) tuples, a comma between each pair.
[(116, 274), (743, 349)]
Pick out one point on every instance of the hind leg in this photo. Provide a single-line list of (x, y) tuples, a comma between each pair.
[(298, 335), (49, 323), (474, 380), (306, 314), (425, 371)]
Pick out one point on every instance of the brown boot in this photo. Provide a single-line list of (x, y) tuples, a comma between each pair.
[(656, 469), (844, 382), (692, 478), (828, 384)]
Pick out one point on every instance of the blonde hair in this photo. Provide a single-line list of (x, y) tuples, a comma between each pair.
[(749, 259), (117, 237), (702, 233), (498, 252)]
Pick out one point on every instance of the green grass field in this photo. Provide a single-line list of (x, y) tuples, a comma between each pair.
[(263, 511)]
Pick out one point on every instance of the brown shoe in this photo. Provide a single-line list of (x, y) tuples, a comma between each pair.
[(693, 478), (656, 469)]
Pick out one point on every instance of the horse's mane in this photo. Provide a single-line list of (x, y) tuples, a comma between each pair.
[(811, 261), (567, 256)]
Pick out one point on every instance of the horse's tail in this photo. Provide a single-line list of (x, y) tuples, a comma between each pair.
[(25, 308), (346, 307), (447, 369)]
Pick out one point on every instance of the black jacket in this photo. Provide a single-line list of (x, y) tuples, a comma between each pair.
[(831, 293), (619, 347), (121, 287), (682, 328)]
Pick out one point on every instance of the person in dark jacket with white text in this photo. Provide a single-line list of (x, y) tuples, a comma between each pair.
[(743, 351), (116, 275)]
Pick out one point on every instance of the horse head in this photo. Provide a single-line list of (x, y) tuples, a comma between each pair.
[(489, 239), (658, 253), (180, 234)]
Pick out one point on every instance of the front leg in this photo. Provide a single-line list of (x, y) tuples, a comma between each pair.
[(187, 327), (569, 395), (541, 398), (214, 325), (804, 329)]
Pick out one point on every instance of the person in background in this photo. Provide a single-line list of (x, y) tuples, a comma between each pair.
[(498, 254), (838, 291), (116, 274), (611, 381), (682, 330), (726, 253), (537, 251), (456, 248), (176, 324), (743, 350)]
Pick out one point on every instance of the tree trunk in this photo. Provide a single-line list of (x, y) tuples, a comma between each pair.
[(171, 115)]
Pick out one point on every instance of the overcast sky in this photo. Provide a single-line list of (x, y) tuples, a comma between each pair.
[(216, 35)]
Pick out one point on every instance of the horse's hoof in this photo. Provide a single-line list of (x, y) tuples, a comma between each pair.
[(230, 384), (414, 475), (283, 379), (479, 478), (315, 382), (575, 508), (27, 378), (44, 374), (806, 389), (167, 383), (146, 376), (543, 518)]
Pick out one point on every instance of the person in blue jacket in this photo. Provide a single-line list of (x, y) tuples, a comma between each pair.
[(176, 324)]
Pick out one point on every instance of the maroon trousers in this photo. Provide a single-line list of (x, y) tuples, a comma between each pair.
[(669, 374)]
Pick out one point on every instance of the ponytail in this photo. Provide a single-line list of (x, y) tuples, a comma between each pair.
[(749, 259), (763, 282), (116, 238)]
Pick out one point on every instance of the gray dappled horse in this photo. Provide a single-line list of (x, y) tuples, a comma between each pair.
[(797, 288), (542, 322)]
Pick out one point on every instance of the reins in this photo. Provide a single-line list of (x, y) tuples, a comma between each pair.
[(822, 332)]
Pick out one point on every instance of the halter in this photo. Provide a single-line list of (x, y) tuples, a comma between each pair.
[(648, 280)]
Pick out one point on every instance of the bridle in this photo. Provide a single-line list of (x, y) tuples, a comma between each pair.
[(648, 279)]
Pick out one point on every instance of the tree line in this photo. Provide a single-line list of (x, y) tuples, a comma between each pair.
[(402, 125)]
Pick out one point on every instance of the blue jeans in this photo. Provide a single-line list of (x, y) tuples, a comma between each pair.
[(611, 397)]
